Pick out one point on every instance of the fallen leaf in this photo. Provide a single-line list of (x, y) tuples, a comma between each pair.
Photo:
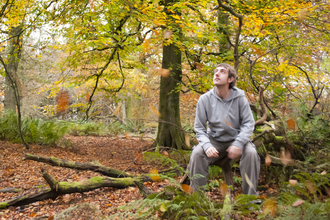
[(298, 202), (268, 160), (32, 215)]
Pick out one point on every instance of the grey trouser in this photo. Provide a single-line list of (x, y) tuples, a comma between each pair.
[(249, 165)]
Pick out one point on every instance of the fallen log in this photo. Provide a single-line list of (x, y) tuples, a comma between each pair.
[(99, 168), (9, 190), (60, 188)]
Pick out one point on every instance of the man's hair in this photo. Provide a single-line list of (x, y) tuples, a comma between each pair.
[(231, 73)]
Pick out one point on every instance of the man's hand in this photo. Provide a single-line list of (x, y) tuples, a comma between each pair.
[(234, 152), (212, 152)]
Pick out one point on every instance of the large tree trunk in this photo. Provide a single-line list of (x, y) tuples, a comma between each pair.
[(170, 133)]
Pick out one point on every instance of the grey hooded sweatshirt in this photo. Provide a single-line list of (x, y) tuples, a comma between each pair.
[(228, 119)]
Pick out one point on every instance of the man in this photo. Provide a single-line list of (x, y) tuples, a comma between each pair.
[(227, 113)]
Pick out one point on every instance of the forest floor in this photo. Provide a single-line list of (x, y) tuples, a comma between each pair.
[(121, 152)]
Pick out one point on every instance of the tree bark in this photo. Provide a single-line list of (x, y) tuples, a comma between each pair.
[(170, 133), (14, 52)]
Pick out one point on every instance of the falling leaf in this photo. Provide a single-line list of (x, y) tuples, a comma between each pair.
[(162, 208), (293, 182), (87, 96), (168, 34), (127, 135), (302, 14), (165, 153), (187, 139), (291, 124), (270, 207), (285, 156), (228, 123), (164, 72), (310, 186), (224, 189), (62, 100), (155, 177), (324, 173), (248, 181), (268, 161), (328, 191), (298, 202), (154, 110), (186, 188)]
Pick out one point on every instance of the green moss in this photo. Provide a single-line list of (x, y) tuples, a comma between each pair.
[(3, 205), (279, 138), (96, 179), (53, 158), (71, 163), (261, 129)]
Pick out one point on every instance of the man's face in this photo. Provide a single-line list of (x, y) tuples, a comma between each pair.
[(221, 76)]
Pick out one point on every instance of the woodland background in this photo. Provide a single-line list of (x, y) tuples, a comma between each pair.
[(135, 70)]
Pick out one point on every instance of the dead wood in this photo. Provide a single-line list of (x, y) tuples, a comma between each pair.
[(99, 168), (60, 188), (9, 190)]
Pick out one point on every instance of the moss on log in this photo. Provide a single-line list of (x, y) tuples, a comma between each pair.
[(68, 188)]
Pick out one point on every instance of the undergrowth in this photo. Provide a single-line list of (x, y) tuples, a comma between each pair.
[(34, 130)]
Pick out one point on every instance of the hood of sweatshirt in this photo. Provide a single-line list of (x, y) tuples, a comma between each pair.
[(224, 120)]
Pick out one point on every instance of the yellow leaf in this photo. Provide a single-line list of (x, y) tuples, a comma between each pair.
[(155, 177), (224, 189), (162, 208), (270, 207), (154, 110)]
